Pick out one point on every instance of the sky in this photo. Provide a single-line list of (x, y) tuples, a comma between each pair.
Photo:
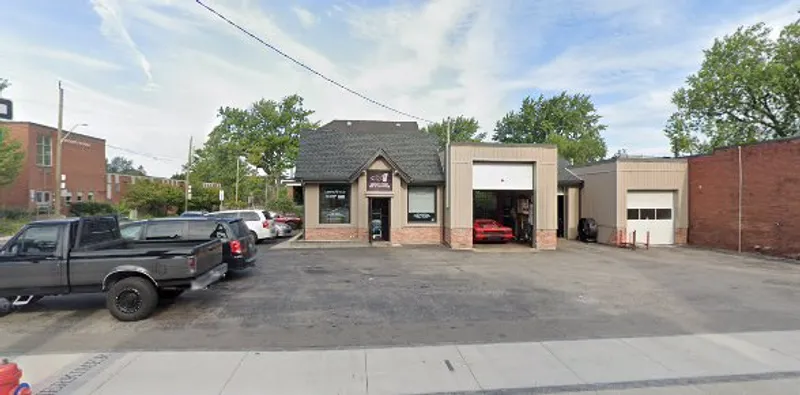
[(147, 74)]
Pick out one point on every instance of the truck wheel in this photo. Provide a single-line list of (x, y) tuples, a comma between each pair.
[(5, 306), (254, 236), (132, 299)]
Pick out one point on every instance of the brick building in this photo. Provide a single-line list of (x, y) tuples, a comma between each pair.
[(83, 163), (118, 184), (747, 198)]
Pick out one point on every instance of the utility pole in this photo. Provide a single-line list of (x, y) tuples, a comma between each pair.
[(57, 202), (238, 159), (186, 186)]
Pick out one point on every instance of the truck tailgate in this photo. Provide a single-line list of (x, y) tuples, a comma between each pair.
[(208, 255)]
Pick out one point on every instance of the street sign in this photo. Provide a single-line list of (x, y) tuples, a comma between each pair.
[(221, 195), (6, 109)]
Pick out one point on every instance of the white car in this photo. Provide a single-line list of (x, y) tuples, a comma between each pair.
[(260, 223)]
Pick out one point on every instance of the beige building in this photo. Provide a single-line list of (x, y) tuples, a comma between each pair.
[(647, 197)]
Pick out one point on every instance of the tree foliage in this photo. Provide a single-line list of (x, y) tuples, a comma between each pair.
[(568, 121), (154, 198), (11, 158), (462, 129), (204, 198), (4, 84), (747, 90), (266, 135), (122, 165)]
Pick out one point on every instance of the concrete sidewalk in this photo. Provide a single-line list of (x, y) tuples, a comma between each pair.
[(739, 363)]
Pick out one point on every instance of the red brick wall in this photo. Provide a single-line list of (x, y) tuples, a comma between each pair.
[(458, 237), (417, 235), (331, 234), (770, 198), (82, 161), (546, 240)]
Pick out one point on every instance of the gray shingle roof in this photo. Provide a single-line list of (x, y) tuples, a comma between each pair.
[(339, 149), (565, 176)]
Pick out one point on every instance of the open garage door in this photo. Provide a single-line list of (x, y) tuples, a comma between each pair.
[(502, 176), (654, 212)]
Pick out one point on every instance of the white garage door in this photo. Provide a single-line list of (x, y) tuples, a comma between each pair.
[(654, 212), (502, 176)]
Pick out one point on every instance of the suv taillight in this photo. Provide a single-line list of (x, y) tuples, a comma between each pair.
[(191, 263), (236, 247), (265, 224)]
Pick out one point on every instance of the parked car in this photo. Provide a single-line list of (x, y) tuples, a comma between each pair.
[(88, 255), (292, 220), (260, 223), (490, 230), (284, 229), (194, 213), (238, 247)]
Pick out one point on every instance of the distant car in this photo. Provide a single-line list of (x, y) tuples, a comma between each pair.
[(194, 213), (290, 219), (284, 229), (261, 224), (484, 230), (239, 250)]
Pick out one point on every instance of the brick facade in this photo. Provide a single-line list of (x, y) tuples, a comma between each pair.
[(546, 240), (332, 234), (770, 211), (83, 162), (458, 237), (417, 235)]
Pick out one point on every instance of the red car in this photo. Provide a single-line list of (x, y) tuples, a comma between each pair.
[(491, 230)]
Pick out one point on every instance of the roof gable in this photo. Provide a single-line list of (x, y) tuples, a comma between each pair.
[(380, 153), (337, 151)]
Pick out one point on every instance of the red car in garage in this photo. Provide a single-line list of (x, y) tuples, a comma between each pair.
[(490, 230)]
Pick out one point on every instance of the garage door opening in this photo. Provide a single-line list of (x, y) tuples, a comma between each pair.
[(651, 215), (503, 204), (502, 217)]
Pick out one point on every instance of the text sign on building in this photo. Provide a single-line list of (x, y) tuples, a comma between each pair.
[(379, 180)]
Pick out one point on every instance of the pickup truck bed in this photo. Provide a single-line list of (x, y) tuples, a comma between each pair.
[(88, 255)]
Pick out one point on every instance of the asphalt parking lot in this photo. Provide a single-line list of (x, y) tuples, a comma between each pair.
[(341, 298)]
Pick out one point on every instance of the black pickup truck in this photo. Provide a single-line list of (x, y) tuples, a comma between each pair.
[(88, 255)]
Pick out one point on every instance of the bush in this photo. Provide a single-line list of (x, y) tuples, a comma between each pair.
[(12, 220), (83, 209)]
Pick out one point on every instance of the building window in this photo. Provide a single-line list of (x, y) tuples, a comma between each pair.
[(663, 213), (633, 213), (334, 204), (44, 151), (90, 196), (650, 214), (80, 196), (422, 204)]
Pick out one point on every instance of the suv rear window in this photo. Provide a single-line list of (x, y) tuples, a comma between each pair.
[(250, 216), (203, 230), (164, 230), (239, 228)]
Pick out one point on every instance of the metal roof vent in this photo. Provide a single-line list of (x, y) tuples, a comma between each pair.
[(349, 123), (397, 124)]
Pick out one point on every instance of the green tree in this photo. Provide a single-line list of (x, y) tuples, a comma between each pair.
[(266, 134), (462, 129), (204, 198), (568, 121), (4, 84), (154, 198), (122, 165), (11, 158), (747, 90)]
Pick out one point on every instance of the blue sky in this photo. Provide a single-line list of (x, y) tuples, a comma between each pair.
[(147, 74)]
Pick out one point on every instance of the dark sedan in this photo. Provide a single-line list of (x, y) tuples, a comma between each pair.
[(239, 250)]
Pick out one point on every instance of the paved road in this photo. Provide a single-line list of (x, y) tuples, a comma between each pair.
[(300, 299)]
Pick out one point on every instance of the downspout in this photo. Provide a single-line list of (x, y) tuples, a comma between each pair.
[(740, 197)]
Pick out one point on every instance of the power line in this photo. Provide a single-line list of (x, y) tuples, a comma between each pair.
[(303, 65), (144, 154)]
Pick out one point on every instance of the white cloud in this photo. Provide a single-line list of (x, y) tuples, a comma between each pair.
[(306, 17), (114, 28), (432, 59)]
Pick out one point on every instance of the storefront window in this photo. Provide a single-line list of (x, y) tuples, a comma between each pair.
[(334, 204), (422, 204)]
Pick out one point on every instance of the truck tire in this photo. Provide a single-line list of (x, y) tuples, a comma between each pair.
[(254, 236), (132, 299)]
